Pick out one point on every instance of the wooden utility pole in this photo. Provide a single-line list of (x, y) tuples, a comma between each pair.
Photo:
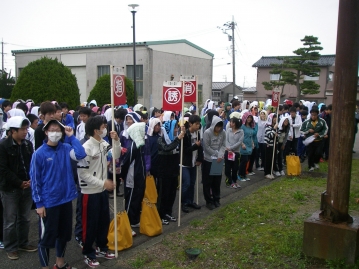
[(332, 233), (335, 201)]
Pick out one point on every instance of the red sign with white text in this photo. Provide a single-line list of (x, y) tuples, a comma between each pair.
[(190, 87), (172, 96), (275, 97), (119, 89)]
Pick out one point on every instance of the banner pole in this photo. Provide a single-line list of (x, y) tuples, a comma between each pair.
[(197, 167), (181, 157), (114, 163), (275, 137)]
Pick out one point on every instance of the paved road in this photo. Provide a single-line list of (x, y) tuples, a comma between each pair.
[(73, 252)]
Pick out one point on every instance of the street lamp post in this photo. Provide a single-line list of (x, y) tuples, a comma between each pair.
[(133, 9)]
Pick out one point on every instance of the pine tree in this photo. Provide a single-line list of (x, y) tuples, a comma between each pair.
[(304, 63)]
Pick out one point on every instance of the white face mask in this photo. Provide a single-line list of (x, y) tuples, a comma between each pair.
[(54, 136), (104, 133)]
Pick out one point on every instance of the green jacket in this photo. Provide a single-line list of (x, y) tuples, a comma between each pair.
[(321, 128)]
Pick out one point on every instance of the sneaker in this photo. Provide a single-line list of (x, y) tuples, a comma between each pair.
[(194, 205), (238, 186), (217, 204), (260, 169), (28, 248), (242, 179), (104, 254), (79, 242), (91, 262), (233, 186), (184, 208), (247, 179), (268, 176), (251, 174), (2, 245), (133, 233), (170, 218), (135, 225), (311, 169), (13, 255), (210, 206), (316, 166), (165, 222), (119, 194), (110, 195), (277, 173), (65, 266), (282, 173)]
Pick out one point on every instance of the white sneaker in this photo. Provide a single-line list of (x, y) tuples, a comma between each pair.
[(251, 174), (133, 233), (282, 173), (247, 179), (316, 166), (268, 176), (135, 225), (311, 169), (277, 173), (260, 169)]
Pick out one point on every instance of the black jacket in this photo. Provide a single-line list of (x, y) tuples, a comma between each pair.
[(12, 169), (167, 160), (188, 148)]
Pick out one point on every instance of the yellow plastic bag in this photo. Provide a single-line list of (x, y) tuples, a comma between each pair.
[(124, 232), (151, 190), (294, 167), (150, 221)]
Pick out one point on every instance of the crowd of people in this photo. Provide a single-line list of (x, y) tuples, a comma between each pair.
[(51, 155)]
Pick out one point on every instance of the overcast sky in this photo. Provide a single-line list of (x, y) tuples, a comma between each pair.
[(264, 27)]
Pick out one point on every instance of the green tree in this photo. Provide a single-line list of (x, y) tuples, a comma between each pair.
[(47, 79), (103, 86), (304, 63), (7, 83)]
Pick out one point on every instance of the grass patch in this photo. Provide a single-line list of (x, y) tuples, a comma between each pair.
[(263, 230)]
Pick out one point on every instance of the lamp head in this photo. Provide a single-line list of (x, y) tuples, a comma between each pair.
[(133, 8)]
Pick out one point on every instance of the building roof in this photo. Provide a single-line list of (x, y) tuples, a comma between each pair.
[(249, 90), (147, 43), (221, 85), (268, 61)]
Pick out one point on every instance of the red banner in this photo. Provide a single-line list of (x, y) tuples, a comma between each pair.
[(275, 97), (119, 87), (190, 88), (172, 96)]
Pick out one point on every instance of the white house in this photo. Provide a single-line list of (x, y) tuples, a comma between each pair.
[(156, 61)]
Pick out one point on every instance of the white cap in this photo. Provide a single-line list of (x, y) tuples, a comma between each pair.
[(16, 122), (235, 97)]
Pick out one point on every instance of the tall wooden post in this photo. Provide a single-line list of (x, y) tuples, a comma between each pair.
[(335, 201), (331, 233)]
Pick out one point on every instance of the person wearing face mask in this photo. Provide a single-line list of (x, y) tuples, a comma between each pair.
[(93, 179), (53, 189)]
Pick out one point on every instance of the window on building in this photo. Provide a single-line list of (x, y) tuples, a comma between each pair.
[(274, 76), (330, 76), (216, 94), (139, 77), (312, 78), (19, 71), (200, 94), (103, 70)]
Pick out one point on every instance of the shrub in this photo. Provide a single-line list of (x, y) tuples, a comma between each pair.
[(47, 79), (101, 92)]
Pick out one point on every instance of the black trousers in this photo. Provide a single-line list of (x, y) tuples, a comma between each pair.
[(326, 148), (243, 165), (280, 156), (314, 152), (262, 153), (231, 168), (167, 195), (252, 159), (210, 183), (291, 146), (269, 158), (133, 202), (95, 222)]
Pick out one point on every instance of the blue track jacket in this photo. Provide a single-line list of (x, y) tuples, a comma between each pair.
[(52, 180)]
